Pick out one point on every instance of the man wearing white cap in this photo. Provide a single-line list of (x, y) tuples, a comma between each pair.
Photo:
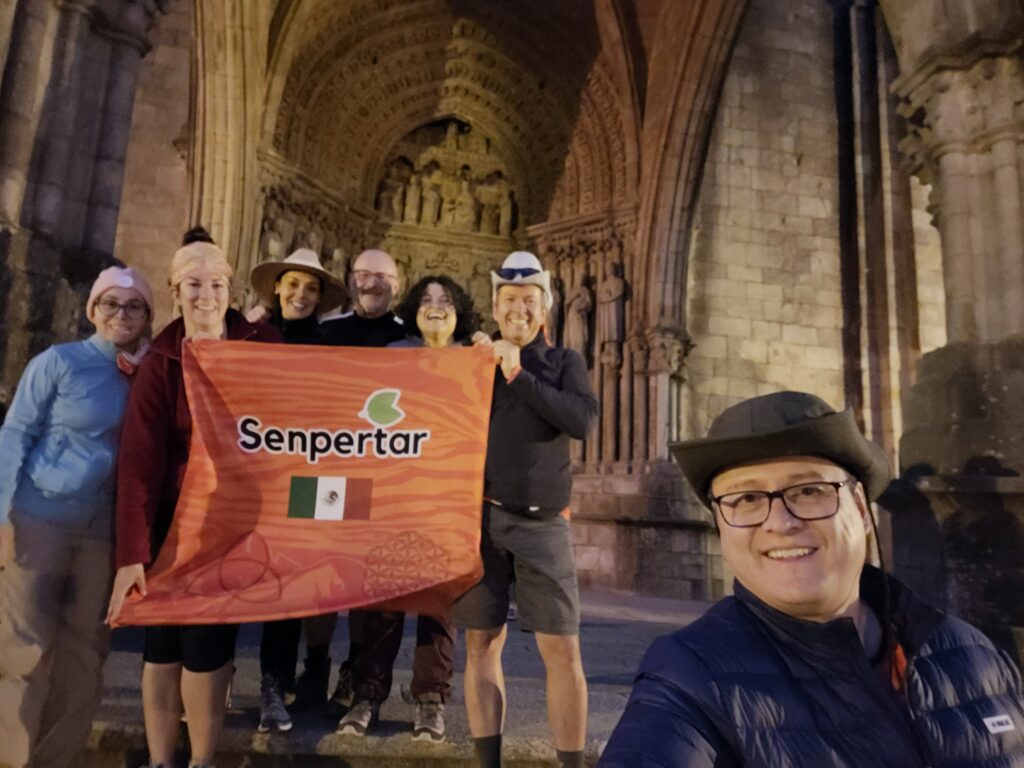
[(542, 399)]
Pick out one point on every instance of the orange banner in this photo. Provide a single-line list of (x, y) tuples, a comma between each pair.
[(322, 479)]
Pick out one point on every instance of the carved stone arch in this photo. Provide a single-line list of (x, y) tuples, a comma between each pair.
[(231, 44), (677, 129)]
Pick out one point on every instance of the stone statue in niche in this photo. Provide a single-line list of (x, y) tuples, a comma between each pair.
[(488, 219), (272, 244), (611, 317), (465, 209), (449, 202), (391, 198), (431, 205), (505, 214), (579, 303), (555, 313), (398, 203), (451, 136), (412, 200)]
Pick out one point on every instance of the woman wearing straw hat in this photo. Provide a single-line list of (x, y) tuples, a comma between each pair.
[(184, 666), (59, 445), (297, 289)]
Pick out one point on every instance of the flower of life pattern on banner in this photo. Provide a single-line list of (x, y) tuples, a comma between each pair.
[(323, 479)]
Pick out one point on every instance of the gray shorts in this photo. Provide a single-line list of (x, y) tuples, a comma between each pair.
[(535, 556)]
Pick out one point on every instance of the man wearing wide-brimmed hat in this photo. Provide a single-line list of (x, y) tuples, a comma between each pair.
[(818, 659), (542, 400)]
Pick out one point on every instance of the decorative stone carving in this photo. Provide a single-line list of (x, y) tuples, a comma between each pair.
[(611, 320), (455, 182), (465, 209), (579, 303), (412, 200)]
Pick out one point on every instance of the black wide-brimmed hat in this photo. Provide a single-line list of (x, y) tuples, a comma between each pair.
[(778, 425)]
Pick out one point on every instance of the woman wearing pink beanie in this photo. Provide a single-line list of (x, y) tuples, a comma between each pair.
[(59, 445)]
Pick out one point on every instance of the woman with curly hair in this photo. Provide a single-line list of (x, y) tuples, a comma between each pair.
[(436, 313)]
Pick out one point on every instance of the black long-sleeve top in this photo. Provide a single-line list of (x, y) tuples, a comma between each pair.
[(549, 402)]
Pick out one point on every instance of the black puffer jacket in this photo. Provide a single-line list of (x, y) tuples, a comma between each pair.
[(749, 686)]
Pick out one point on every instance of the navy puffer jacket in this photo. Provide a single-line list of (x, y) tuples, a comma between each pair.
[(746, 685)]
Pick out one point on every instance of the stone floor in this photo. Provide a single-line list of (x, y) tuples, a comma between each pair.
[(616, 630)]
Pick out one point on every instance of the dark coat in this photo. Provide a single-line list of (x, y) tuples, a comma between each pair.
[(533, 418), (155, 439), (746, 685)]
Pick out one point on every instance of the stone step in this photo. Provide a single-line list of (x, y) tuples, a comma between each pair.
[(616, 630)]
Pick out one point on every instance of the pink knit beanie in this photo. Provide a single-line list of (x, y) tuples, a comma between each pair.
[(119, 277)]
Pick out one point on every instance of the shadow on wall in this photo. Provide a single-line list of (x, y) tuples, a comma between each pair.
[(959, 544)]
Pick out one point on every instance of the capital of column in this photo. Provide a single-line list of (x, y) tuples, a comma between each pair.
[(127, 21), (963, 111), (667, 350)]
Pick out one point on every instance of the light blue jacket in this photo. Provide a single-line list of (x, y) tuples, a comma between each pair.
[(58, 444)]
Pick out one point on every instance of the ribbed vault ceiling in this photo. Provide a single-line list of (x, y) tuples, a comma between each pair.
[(529, 74)]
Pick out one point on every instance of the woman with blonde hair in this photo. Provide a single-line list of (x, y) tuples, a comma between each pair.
[(184, 666), (59, 445)]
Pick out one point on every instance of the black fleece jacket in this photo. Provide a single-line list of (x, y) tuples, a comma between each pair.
[(548, 403)]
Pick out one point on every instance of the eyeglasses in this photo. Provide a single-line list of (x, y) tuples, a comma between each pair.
[(511, 273), (133, 310), (365, 276), (805, 501)]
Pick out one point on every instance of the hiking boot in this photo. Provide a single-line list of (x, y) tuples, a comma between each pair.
[(358, 719), (273, 715), (311, 687), (429, 722), (343, 695)]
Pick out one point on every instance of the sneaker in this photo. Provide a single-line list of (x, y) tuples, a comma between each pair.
[(343, 695), (311, 687), (358, 719), (273, 715), (429, 722)]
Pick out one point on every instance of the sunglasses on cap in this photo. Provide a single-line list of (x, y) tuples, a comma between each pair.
[(511, 273)]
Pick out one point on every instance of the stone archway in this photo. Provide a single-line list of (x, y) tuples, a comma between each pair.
[(543, 105)]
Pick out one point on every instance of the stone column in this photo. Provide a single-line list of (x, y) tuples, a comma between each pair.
[(962, 450), (65, 117)]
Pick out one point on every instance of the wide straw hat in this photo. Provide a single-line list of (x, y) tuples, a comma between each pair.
[(776, 426), (264, 276), (522, 268)]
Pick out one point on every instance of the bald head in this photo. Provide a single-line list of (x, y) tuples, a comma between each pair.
[(373, 283)]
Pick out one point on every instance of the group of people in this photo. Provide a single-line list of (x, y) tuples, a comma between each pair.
[(95, 446), (817, 659)]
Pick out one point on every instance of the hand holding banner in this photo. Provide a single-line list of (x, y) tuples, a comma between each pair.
[(321, 479)]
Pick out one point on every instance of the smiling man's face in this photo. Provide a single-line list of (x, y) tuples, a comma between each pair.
[(809, 569)]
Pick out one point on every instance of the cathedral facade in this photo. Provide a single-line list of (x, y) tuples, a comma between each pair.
[(733, 197)]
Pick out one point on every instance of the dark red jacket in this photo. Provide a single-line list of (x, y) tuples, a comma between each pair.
[(155, 439)]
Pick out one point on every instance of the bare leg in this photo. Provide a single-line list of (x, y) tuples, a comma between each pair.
[(204, 696), (566, 690), (485, 681), (161, 710)]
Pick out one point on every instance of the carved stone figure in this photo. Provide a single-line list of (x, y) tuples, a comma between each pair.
[(431, 205), (505, 214), (578, 305), (611, 298), (272, 245), (412, 200), (489, 219), (465, 209)]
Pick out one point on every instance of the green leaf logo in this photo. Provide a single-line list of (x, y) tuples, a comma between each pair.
[(381, 408)]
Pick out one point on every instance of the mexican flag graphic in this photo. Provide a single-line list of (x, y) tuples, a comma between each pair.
[(330, 498)]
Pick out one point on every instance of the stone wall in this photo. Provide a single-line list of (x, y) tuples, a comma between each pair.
[(764, 296), (155, 204)]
